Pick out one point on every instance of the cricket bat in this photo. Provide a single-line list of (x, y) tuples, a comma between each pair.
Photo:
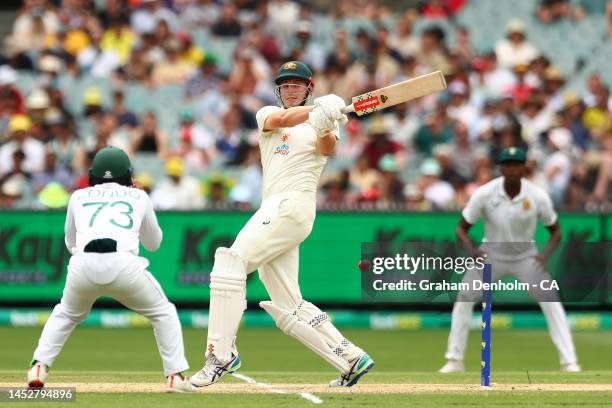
[(394, 94)]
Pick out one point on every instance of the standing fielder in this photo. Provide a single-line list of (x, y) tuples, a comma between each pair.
[(295, 141), (104, 225), (510, 207)]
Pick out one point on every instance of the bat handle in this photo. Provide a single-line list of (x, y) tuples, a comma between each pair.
[(348, 109)]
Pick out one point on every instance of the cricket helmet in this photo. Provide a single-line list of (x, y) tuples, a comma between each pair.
[(109, 165)]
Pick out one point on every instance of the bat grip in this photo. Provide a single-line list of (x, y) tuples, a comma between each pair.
[(348, 109)]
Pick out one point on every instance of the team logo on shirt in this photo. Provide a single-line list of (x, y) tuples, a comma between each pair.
[(283, 148), (526, 204)]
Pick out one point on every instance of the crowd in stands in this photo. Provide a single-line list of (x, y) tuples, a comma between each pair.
[(430, 154)]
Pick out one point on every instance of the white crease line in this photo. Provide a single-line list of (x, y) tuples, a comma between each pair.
[(306, 395)]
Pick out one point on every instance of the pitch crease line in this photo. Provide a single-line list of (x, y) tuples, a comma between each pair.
[(306, 395)]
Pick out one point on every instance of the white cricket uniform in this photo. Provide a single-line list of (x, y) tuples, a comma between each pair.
[(510, 225), (269, 241), (125, 215)]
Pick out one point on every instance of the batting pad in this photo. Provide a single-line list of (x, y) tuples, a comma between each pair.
[(227, 302), (301, 324)]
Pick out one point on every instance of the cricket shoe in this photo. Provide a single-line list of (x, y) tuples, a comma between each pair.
[(37, 375), (214, 370), (179, 383), (452, 366), (359, 366), (571, 368)]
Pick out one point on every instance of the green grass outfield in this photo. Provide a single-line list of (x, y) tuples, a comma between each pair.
[(95, 355)]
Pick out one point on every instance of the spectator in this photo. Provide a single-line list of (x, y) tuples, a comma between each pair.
[(557, 166), (177, 191), (124, 116), (283, 16), (97, 61), (229, 138), (597, 118), (119, 39), (515, 49), (149, 138), (432, 53), (463, 152), (602, 190), (335, 194), (52, 172), (459, 108), (362, 176), (380, 144), (35, 27), (173, 70), (227, 25), (37, 103), (200, 14), (137, 69), (571, 117), (402, 38), (350, 148), (146, 18), (204, 79), (439, 194), (19, 127), (196, 144), (65, 146), (311, 52), (437, 129), (106, 134), (17, 170), (404, 123), (391, 186)]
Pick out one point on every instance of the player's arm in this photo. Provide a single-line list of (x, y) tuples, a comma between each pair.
[(548, 216), (287, 117), (469, 216), (553, 240), (70, 227), (462, 232), (326, 143), (150, 232)]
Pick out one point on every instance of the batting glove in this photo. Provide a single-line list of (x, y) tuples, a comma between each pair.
[(332, 105), (320, 122)]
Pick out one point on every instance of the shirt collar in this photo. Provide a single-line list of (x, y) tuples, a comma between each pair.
[(502, 192)]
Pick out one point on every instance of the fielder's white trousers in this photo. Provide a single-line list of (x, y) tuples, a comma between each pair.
[(526, 270), (124, 277)]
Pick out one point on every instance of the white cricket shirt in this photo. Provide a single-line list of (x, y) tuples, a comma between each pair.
[(289, 158), (510, 220), (110, 210)]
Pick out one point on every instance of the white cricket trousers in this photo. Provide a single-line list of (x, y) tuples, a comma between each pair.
[(270, 241), (122, 276), (526, 270)]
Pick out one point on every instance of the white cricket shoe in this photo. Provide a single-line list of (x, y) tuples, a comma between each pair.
[(571, 368), (452, 366), (214, 370), (37, 375), (178, 383)]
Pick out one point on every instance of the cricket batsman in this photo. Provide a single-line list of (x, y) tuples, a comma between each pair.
[(510, 207), (104, 225), (295, 140)]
